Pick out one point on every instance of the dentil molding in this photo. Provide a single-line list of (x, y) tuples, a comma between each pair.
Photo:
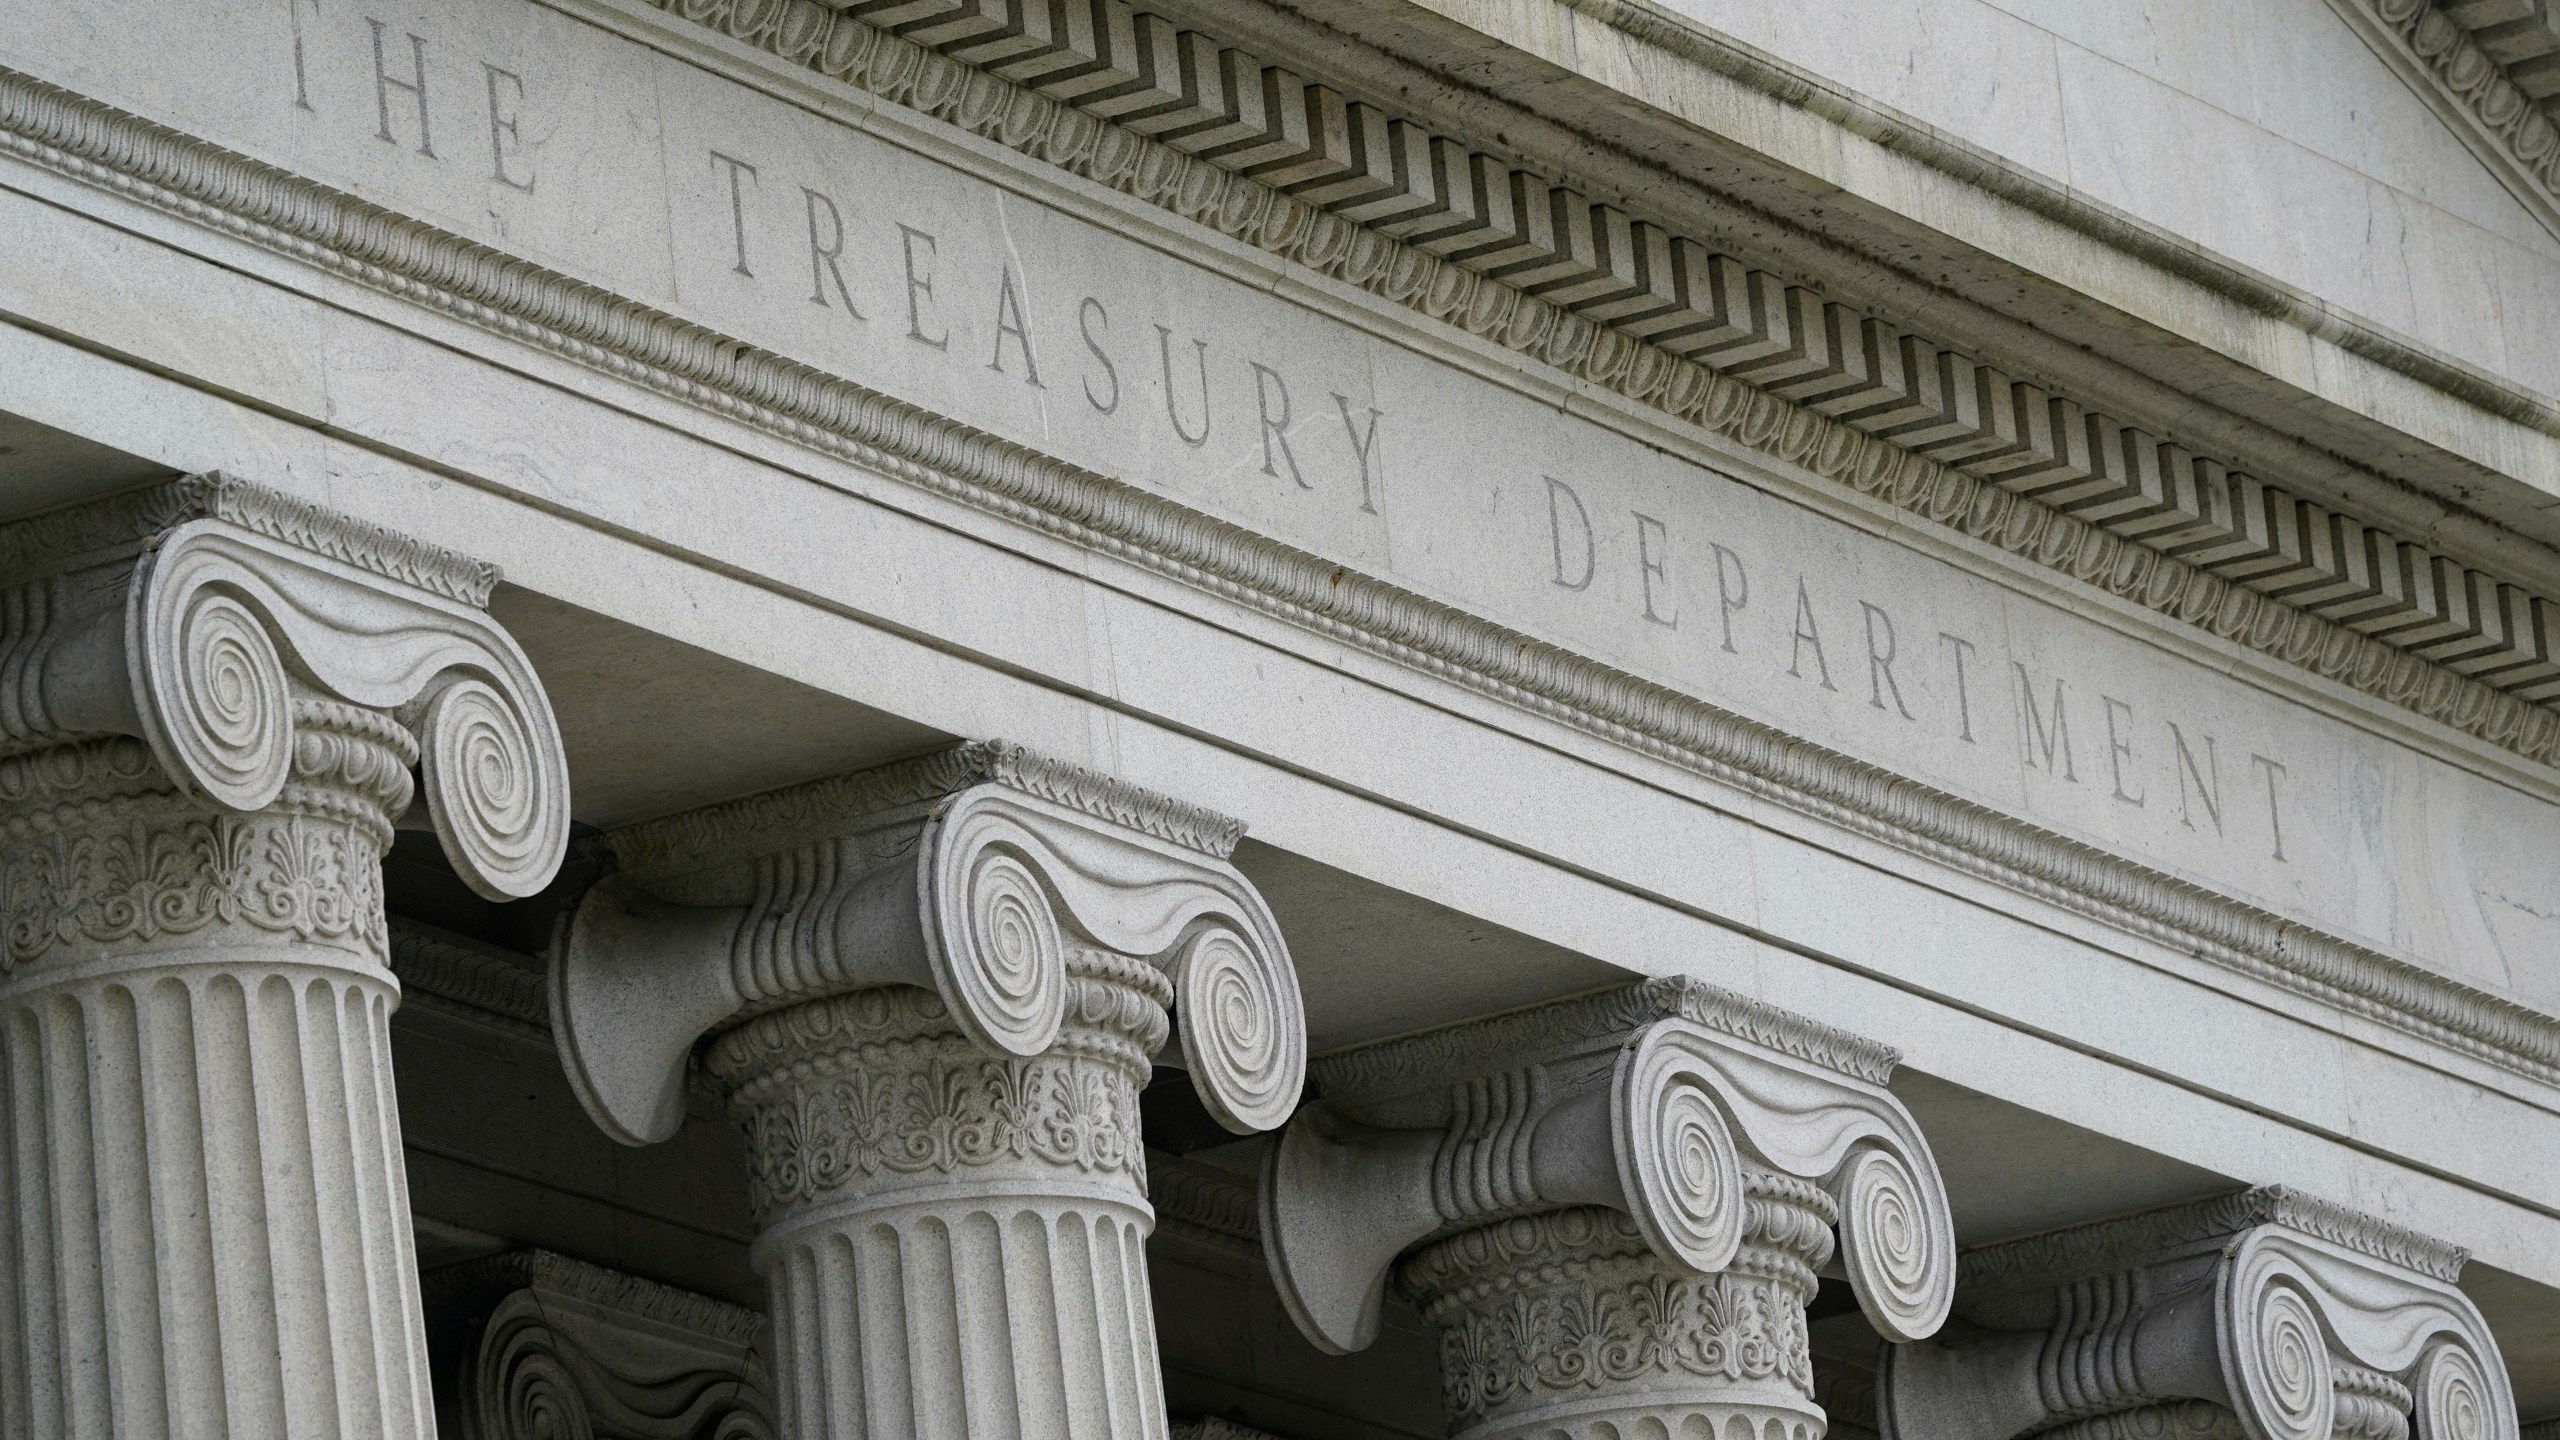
[(2267, 1314)]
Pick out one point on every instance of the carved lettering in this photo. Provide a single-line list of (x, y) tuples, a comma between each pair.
[(1808, 633), (2119, 746), (1364, 446), (505, 136), (301, 76), (1653, 563), (2206, 781), (738, 206), (1555, 530), (824, 253), (1733, 591), (1266, 384), (1173, 411), (2275, 817), (2034, 734), (1086, 314), (1960, 648), (1010, 320), (1880, 662), (415, 89), (920, 287)]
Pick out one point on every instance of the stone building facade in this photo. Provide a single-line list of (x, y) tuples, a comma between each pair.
[(808, 719)]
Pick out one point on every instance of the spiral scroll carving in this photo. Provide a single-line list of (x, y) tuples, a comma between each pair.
[(524, 1391), (1676, 1158), (1002, 963), (492, 790), (2453, 1395), (1244, 1029), (1900, 1257), (2286, 1380), (221, 703)]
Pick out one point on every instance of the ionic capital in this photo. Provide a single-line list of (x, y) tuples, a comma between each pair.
[(973, 874), (232, 630), (2288, 1317), (1687, 1109)]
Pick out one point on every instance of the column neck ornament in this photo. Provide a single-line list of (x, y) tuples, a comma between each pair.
[(212, 702), (2261, 1315), (1613, 1208), (933, 992)]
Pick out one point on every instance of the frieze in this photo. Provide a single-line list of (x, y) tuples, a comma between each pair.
[(104, 146), (2005, 442)]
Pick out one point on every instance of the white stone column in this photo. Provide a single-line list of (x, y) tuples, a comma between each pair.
[(2262, 1315), (934, 992), (1613, 1210), (211, 701)]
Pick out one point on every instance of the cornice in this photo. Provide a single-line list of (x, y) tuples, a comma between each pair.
[(96, 530), (1437, 1058), (343, 235), (796, 815), (2138, 1239), (2437, 56)]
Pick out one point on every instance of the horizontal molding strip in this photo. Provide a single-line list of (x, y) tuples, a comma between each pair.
[(1602, 280), (152, 164)]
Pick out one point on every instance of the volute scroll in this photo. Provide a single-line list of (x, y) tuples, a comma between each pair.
[(973, 874), (214, 608), (2290, 1315), (1660, 1109)]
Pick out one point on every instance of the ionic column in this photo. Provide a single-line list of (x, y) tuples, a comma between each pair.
[(2262, 1315), (1613, 1209), (932, 993), (211, 703)]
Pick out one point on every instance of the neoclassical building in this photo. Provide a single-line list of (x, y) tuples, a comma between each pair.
[(1324, 719)]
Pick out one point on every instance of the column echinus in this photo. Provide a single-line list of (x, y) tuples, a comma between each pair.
[(212, 700), (1613, 1210), (932, 992), (2261, 1315)]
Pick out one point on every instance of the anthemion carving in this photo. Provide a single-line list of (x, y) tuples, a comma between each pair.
[(564, 1350), (211, 703), (2266, 1314), (1612, 1209), (933, 993)]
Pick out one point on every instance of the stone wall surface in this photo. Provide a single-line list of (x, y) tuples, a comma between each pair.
[(1513, 494), (2268, 133)]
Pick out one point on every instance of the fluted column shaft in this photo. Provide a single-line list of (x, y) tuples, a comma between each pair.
[(204, 1220), (954, 1242)]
